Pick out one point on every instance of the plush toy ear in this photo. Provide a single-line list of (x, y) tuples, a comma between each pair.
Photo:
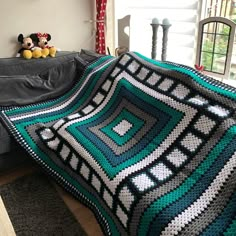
[(49, 37), (20, 38), (34, 37)]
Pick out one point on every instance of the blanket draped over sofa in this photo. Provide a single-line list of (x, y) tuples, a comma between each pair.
[(149, 146)]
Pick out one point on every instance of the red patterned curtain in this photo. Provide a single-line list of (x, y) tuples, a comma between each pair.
[(100, 34)]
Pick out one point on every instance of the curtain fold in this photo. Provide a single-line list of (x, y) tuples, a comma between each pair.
[(100, 23)]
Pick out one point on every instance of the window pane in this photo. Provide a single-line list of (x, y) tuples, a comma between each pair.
[(218, 64), (207, 42), (209, 27), (206, 60), (221, 44), (222, 29)]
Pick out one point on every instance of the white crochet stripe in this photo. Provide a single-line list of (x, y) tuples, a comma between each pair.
[(65, 104), (148, 159), (202, 203)]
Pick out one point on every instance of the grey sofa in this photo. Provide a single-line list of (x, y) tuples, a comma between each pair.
[(30, 81)]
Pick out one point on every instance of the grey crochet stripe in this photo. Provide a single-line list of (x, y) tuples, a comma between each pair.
[(178, 179), (212, 211)]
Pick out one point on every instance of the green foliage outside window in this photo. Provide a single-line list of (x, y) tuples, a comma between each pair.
[(219, 50)]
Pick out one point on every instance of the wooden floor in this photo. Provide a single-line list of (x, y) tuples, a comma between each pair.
[(84, 216), (6, 227)]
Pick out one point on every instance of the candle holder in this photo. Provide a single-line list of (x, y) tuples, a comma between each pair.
[(154, 39), (165, 26)]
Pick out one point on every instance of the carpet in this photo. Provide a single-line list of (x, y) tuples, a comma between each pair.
[(35, 208)]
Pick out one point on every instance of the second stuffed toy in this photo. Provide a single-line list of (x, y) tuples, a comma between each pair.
[(42, 42)]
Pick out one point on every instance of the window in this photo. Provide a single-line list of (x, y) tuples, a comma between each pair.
[(215, 44), (225, 9)]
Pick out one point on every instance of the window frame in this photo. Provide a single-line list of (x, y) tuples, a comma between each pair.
[(201, 32)]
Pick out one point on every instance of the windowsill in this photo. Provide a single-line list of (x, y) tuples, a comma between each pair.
[(231, 82)]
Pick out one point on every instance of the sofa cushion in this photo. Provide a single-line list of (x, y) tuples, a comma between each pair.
[(89, 55), (28, 89)]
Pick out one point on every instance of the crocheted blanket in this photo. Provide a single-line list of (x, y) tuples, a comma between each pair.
[(149, 146)]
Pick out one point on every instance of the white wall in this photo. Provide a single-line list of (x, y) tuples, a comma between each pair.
[(183, 16), (65, 20)]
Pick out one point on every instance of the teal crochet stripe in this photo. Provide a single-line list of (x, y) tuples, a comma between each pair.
[(221, 222), (197, 190), (231, 229), (166, 200)]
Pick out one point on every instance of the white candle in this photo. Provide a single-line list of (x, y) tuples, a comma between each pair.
[(165, 21), (155, 21)]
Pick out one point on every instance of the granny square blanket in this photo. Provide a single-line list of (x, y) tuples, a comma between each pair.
[(148, 146)]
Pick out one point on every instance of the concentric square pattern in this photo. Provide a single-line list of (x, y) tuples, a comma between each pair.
[(130, 128)]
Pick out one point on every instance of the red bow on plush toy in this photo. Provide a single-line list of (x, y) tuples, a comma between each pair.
[(40, 35), (42, 42)]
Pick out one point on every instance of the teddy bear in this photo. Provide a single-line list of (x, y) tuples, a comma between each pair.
[(42, 42), (28, 49)]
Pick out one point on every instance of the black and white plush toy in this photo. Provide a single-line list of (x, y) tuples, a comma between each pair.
[(28, 49)]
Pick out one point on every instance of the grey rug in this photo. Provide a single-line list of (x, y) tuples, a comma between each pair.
[(35, 208)]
